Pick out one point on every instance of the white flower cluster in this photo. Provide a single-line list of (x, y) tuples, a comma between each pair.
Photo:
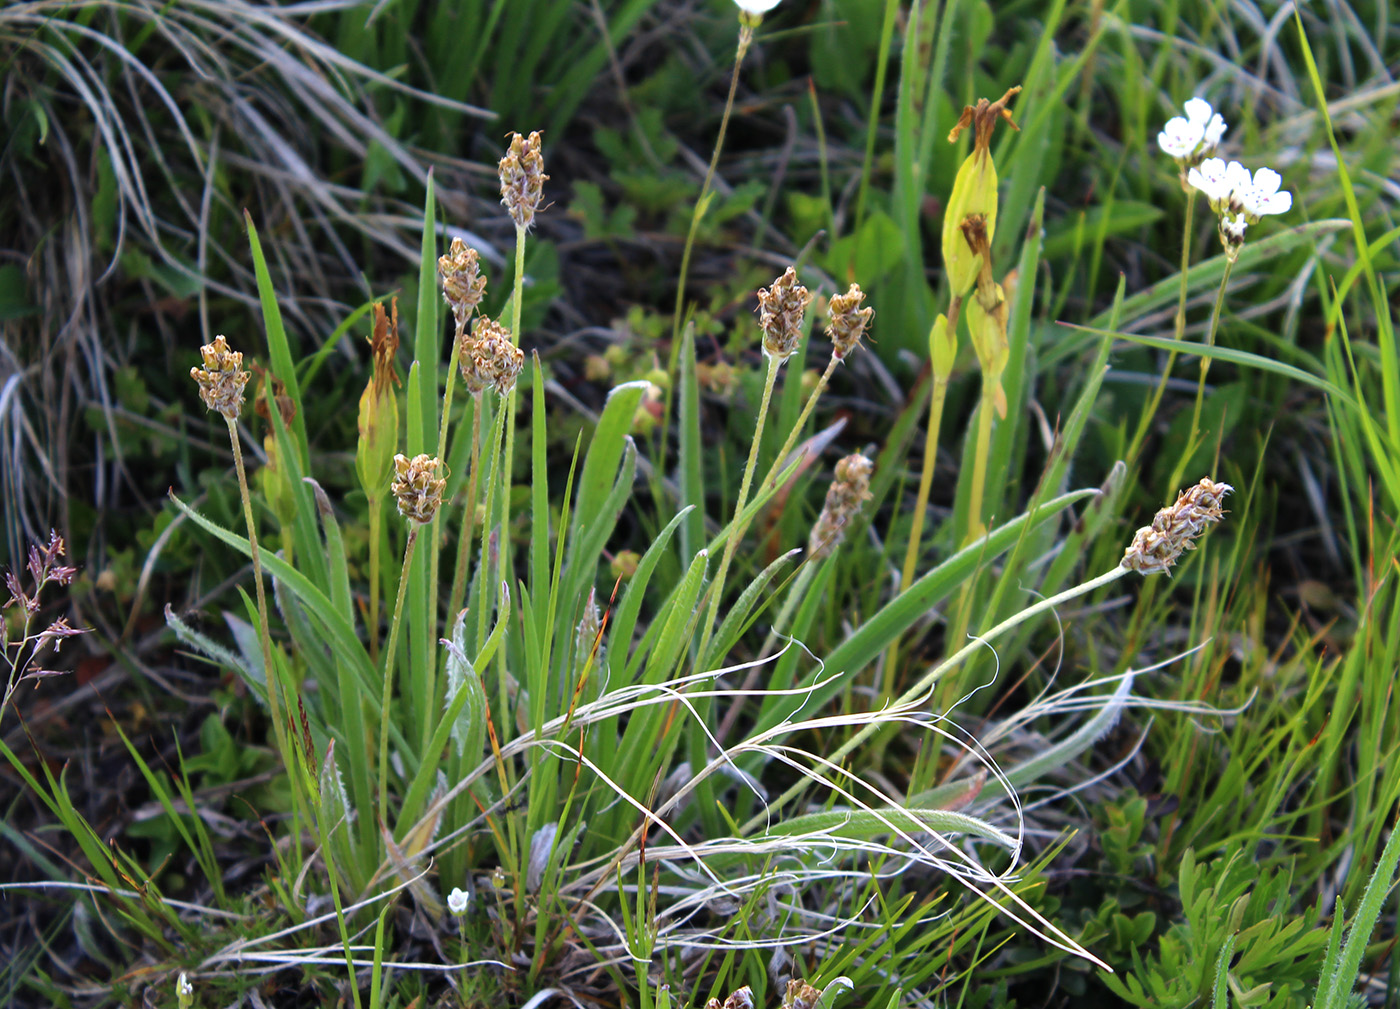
[(1192, 139), (1237, 198)]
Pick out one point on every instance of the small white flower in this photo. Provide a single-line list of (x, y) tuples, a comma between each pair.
[(457, 901), (756, 6), (1199, 113), (1214, 179), (1262, 196), (184, 991), (1180, 138), (1192, 139)]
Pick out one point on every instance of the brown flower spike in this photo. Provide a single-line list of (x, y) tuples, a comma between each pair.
[(522, 178), (495, 361), (848, 321), (417, 488), (222, 379), (1174, 530), (781, 308), (847, 493), (463, 286)]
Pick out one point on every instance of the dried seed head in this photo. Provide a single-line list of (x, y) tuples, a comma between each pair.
[(496, 361), (847, 493), (848, 321), (417, 487), (463, 286), (222, 378), (522, 178), (801, 995), (1174, 530), (741, 999), (781, 308)]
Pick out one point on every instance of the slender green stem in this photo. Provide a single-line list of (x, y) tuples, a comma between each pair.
[(717, 587), (916, 531), (877, 96), (976, 528), (921, 691), (808, 407), (324, 833), (389, 663), (429, 703), (1192, 442), (1150, 410), (485, 589), (376, 518), (935, 421), (274, 702), (745, 40), (1210, 342), (459, 574)]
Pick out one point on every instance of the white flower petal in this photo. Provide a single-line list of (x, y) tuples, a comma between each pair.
[(1274, 203), (1214, 130), (1213, 179), (1179, 138), (1266, 181), (1198, 110), (756, 6)]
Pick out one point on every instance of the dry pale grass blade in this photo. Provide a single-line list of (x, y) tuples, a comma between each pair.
[(273, 98)]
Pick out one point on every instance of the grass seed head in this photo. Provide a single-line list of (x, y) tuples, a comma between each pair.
[(847, 493), (463, 286), (848, 321), (222, 379), (1174, 530), (522, 178), (417, 487), (781, 308)]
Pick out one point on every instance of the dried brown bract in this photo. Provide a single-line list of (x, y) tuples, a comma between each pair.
[(848, 321), (781, 308), (1174, 530), (417, 487), (222, 379), (523, 178)]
